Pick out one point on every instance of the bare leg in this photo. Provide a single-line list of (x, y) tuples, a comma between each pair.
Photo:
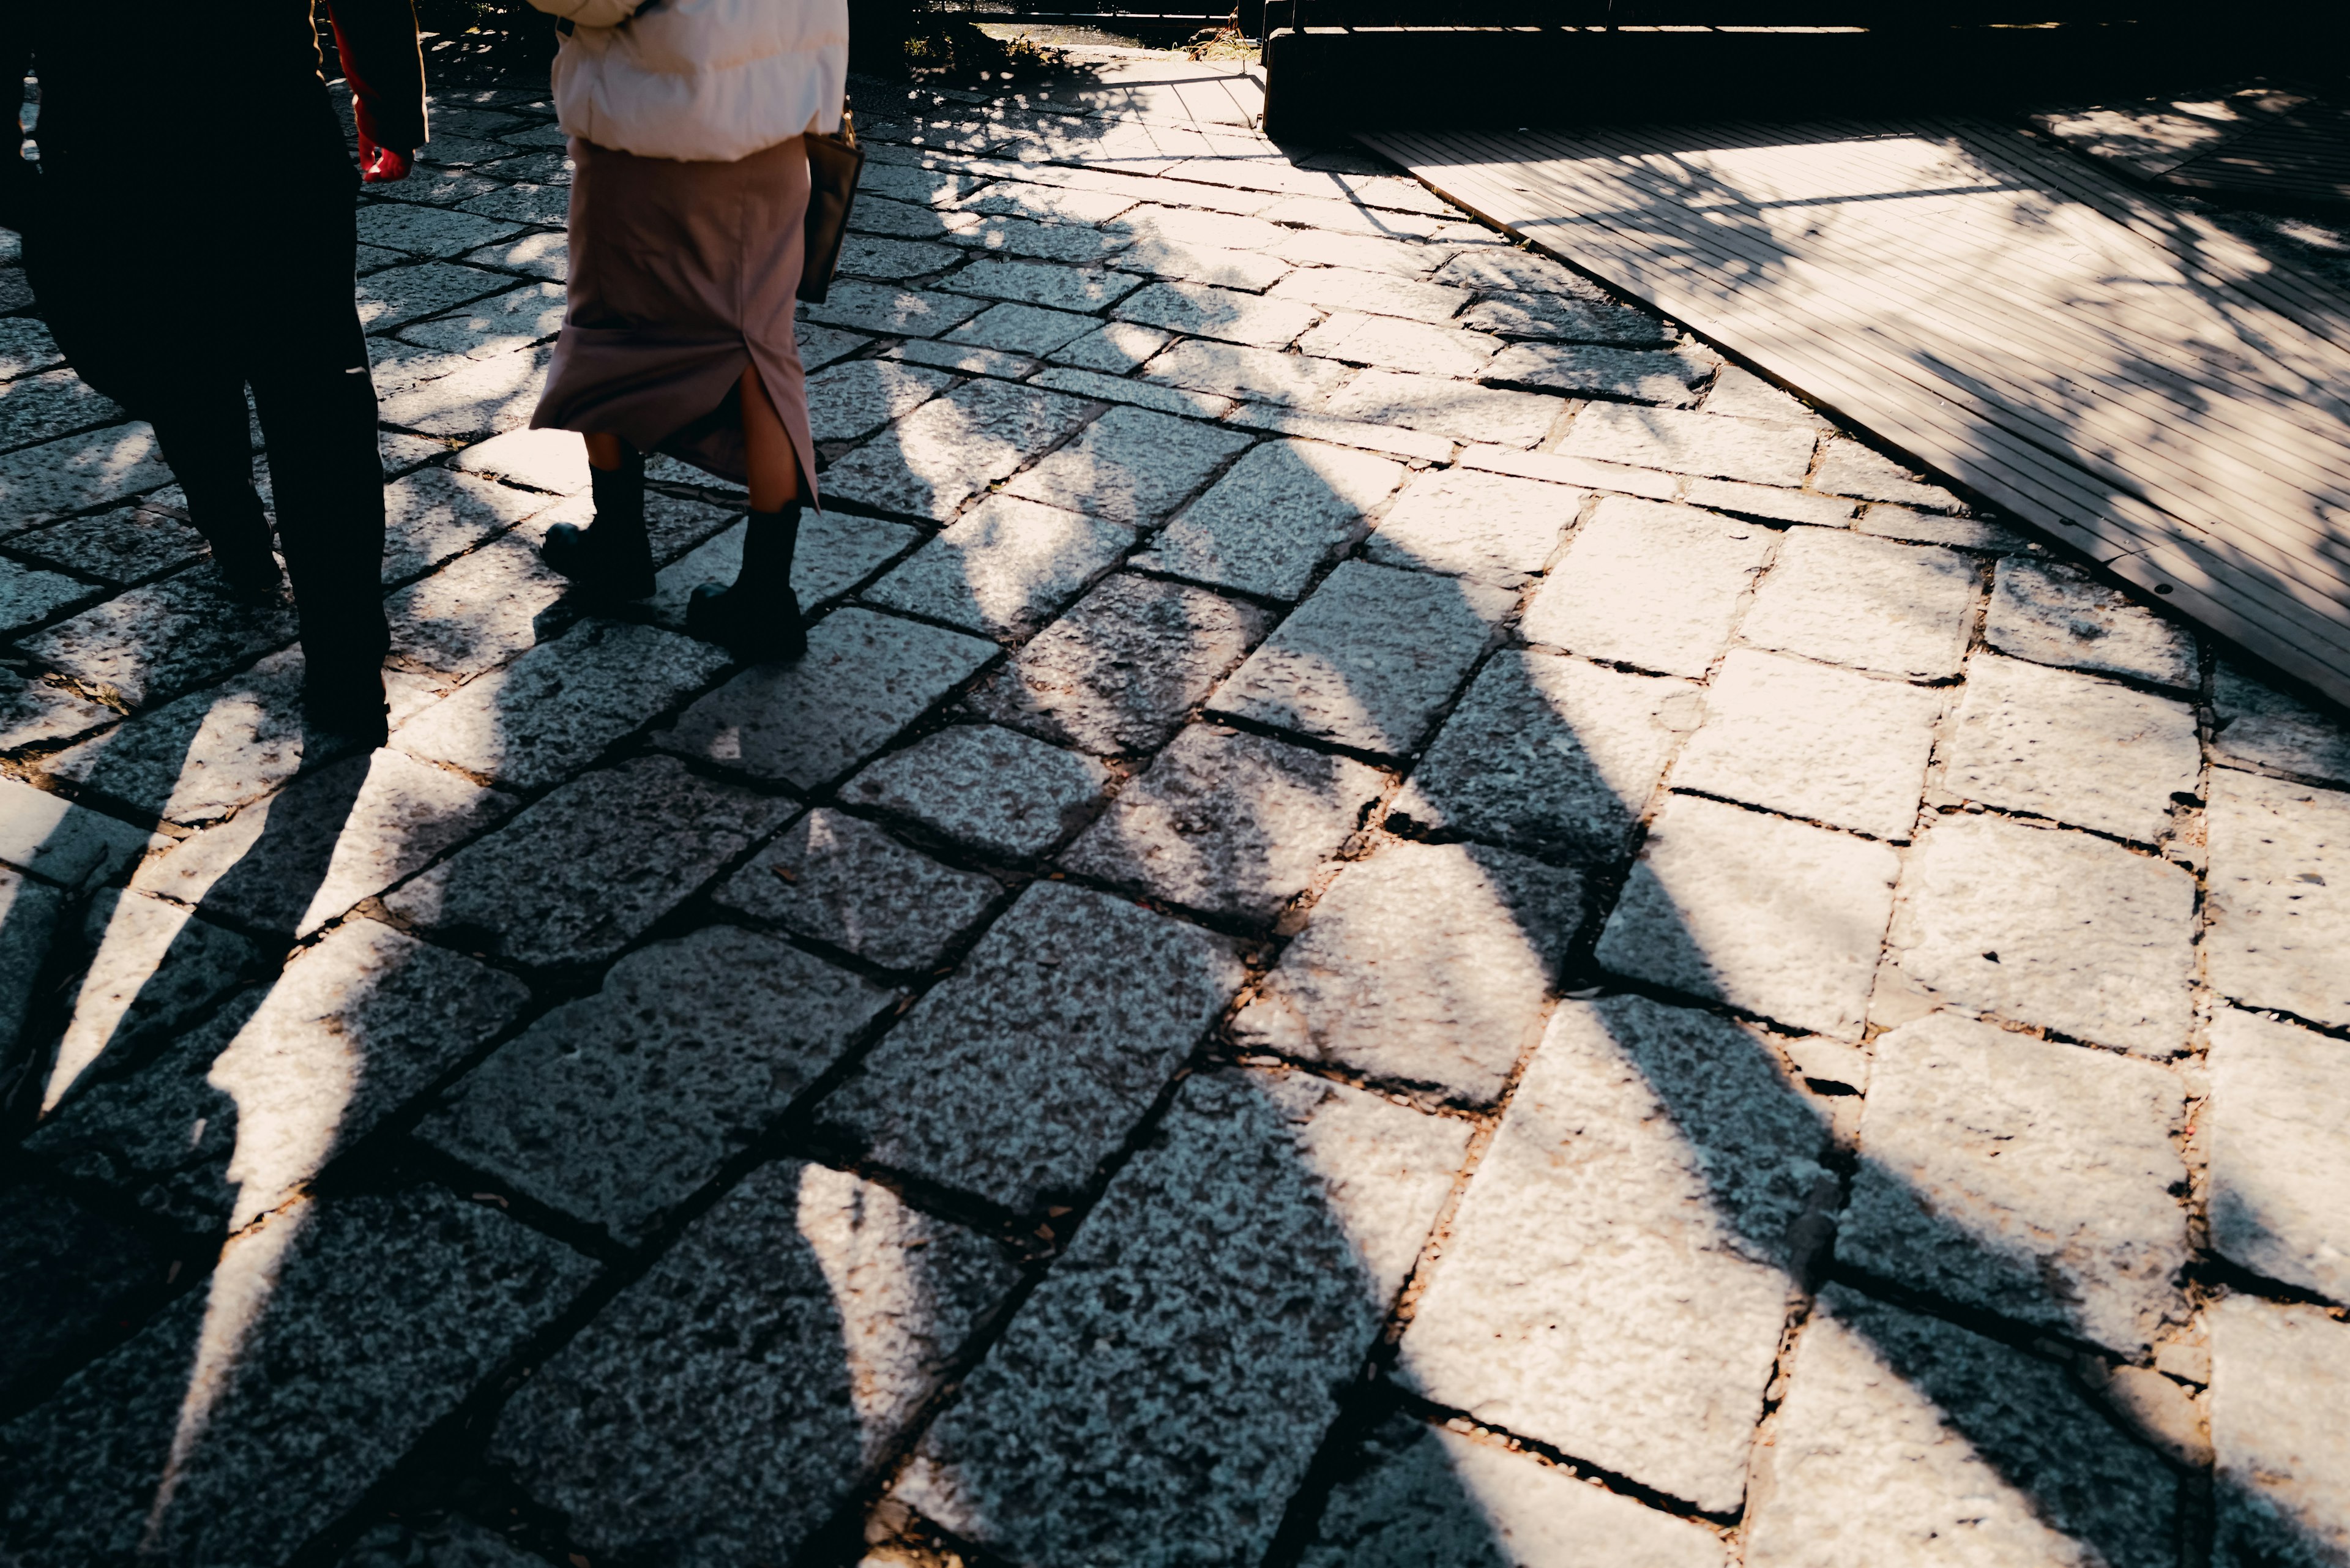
[(767, 447), (604, 452)]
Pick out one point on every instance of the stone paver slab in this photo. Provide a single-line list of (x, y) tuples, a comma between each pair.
[(1374, 293), (1770, 915), (402, 293), (1428, 964), (1395, 344), (1425, 1494), (1059, 1030), (1490, 527), (2024, 1176), (1648, 585), (290, 864), (71, 846), (240, 1113), (1460, 410), (1364, 252), (29, 595), (1370, 660), (1615, 1277), (123, 547), (850, 401), (1848, 468), (477, 612), (1198, 310), (1682, 442), (2052, 613), (555, 709), (1643, 375), (1264, 374), (1004, 567), (1550, 754), (863, 680), (900, 312), (723, 1406), (78, 472), (2279, 898), (1828, 744), (1228, 823), (893, 261), (410, 1299), (1207, 264), (2052, 928), (1118, 674), (1843, 599), (1162, 1394), (433, 514), (1275, 517), (2280, 1374), (156, 641), (1131, 465), (997, 790), (580, 874), (1112, 348), (845, 882), (618, 1108), (64, 1273), (2069, 746), (2274, 1129), (952, 447), (1502, 269), (1029, 329), (1561, 318), (2259, 726), (1905, 1436), (1125, 390)]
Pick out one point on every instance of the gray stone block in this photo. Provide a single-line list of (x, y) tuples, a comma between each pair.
[(2280, 1374), (1669, 377), (2024, 1176), (1395, 344), (1161, 1395), (476, 612), (1374, 293), (580, 875), (864, 679), (1113, 348), (35, 713), (2259, 726), (1347, 217), (1184, 226), (896, 312), (1848, 468), (1364, 252), (1021, 198), (154, 969), (1028, 329), (1228, 370), (880, 215), (2278, 897), (29, 595), (1691, 443), (1427, 964), (1561, 318), (1371, 660), (1425, 1495), (339, 1335), (2070, 747), (931, 187), (555, 709), (1772, 917), (123, 547), (26, 346), (851, 401), (1004, 235), (1499, 268), (1490, 527), (962, 358), (1004, 567), (1618, 1275), (1903, 1437), (618, 1108), (65, 1275), (951, 448), (57, 841), (1228, 823), (1843, 599), (722, 1407), (1810, 741), (1550, 754), (498, 325), (1739, 393), (2057, 930), (1125, 390), (293, 863), (1058, 1032), (1207, 264), (2052, 613), (1131, 466), (542, 255), (453, 1541), (1059, 287), (2274, 1132), (1890, 522), (893, 261), (32, 916), (241, 1113), (155, 642), (1002, 793), (433, 514), (1648, 585), (1197, 310), (1462, 410), (845, 882), (402, 293), (1119, 673), (1275, 517), (1766, 501), (79, 473)]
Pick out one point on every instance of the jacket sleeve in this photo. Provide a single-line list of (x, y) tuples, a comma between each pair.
[(17, 176), (384, 63)]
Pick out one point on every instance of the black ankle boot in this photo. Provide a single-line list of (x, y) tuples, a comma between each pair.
[(759, 616), (238, 532), (342, 692), (611, 558)]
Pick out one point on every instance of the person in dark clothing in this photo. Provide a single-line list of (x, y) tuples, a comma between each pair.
[(172, 289)]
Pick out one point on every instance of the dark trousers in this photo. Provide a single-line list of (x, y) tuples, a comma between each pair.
[(174, 312)]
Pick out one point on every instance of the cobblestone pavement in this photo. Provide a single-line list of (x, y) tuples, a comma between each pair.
[(1396, 920)]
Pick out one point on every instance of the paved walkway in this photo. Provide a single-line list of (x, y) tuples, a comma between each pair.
[(1395, 920)]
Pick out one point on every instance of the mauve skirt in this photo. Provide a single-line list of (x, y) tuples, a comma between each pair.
[(681, 273)]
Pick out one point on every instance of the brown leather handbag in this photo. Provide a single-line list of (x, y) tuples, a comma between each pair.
[(834, 163)]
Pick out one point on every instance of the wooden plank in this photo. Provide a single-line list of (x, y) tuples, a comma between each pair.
[(2287, 600)]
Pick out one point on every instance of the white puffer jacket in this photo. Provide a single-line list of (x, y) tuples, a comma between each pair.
[(707, 80)]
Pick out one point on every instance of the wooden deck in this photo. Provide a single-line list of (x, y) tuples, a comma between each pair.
[(2130, 379)]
